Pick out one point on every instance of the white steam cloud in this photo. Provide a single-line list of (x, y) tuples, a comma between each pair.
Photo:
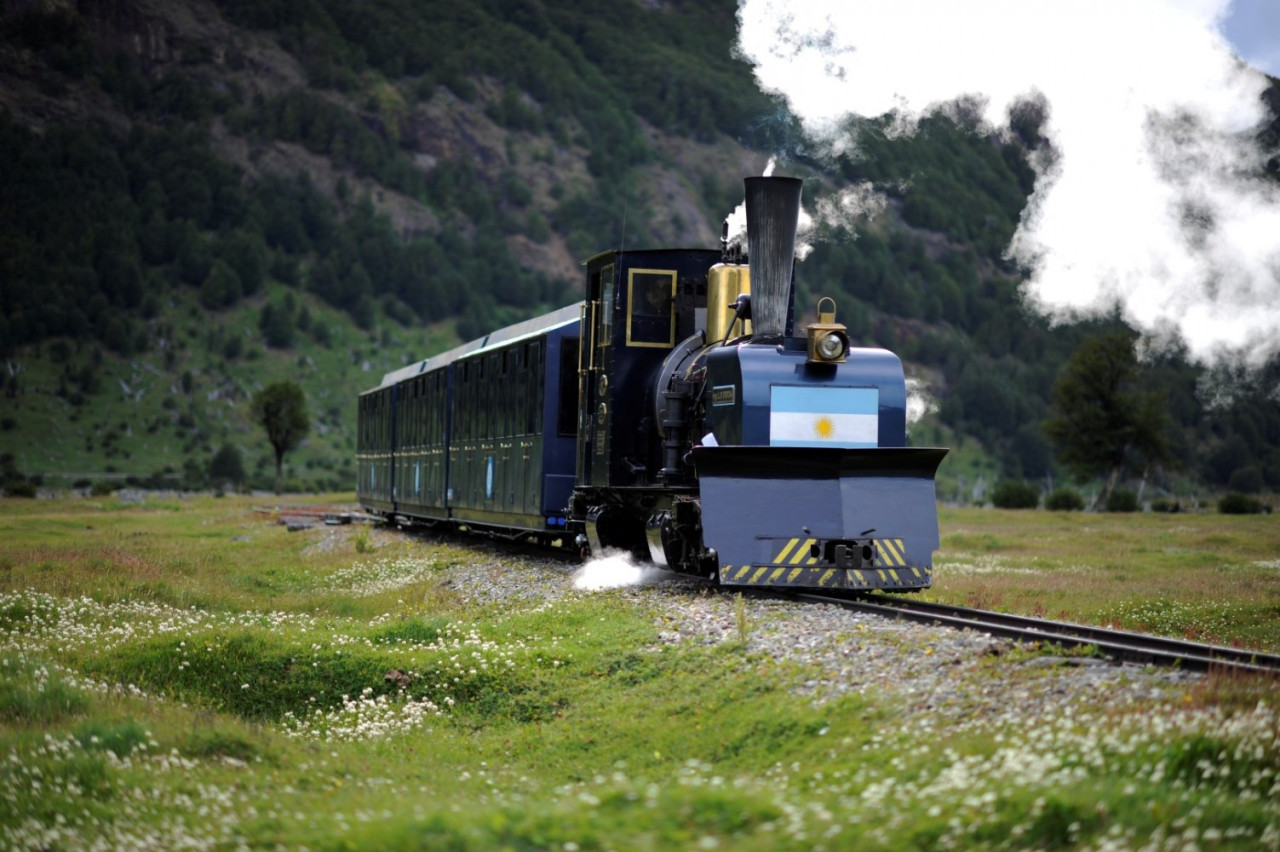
[(920, 401), (841, 211), (614, 570), (1151, 194)]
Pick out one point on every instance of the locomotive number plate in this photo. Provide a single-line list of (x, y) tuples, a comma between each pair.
[(724, 395)]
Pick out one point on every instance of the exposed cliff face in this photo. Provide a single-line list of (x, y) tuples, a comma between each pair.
[(160, 36), (55, 55)]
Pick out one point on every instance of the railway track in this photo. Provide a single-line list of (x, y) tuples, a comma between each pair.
[(1120, 645)]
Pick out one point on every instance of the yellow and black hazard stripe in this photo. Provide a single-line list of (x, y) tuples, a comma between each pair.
[(790, 554), (797, 551), (908, 577), (891, 552)]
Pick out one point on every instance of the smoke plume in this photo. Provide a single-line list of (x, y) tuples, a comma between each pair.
[(1149, 191)]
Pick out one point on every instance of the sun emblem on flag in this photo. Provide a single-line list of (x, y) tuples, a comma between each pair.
[(824, 428)]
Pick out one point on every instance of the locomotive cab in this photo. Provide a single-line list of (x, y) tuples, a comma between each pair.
[(639, 306)]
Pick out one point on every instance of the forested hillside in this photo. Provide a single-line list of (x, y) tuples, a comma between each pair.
[(198, 198)]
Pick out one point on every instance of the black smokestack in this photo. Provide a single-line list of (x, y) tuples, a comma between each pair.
[(773, 211)]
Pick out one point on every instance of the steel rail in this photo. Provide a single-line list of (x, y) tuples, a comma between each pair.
[(1120, 645)]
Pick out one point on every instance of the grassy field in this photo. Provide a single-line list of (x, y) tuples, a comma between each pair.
[(177, 404), (1207, 577), (186, 673)]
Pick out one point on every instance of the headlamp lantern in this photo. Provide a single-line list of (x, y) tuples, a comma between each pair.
[(828, 342)]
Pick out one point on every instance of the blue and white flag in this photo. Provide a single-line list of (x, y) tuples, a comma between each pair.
[(812, 416)]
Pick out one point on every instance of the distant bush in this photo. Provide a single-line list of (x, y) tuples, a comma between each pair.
[(1015, 494), (277, 325), (102, 488), (227, 466), (1122, 500), (12, 482), (1245, 480), (1064, 500), (20, 488), (1164, 504), (1239, 504)]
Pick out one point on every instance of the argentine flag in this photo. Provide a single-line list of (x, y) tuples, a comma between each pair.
[(812, 416)]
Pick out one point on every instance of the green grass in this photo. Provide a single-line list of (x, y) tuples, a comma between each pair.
[(1208, 577), (161, 423), (163, 685)]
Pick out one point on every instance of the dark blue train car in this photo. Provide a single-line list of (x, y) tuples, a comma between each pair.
[(481, 435)]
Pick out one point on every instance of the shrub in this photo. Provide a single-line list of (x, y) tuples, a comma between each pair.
[(227, 466), (1122, 500), (1064, 500), (20, 488), (1164, 504), (1015, 494), (1239, 504), (1245, 480), (102, 488)]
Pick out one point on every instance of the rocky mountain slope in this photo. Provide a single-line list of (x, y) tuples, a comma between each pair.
[(199, 197)]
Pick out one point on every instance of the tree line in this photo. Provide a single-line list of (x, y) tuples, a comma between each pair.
[(95, 225), (94, 229)]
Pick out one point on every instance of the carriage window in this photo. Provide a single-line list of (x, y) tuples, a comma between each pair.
[(533, 389), (567, 415), (651, 316), (462, 418), (604, 323)]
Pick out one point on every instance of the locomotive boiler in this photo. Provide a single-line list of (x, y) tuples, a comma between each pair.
[(675, 415)]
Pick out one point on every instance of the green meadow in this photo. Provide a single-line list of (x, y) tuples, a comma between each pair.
[(185, 672), (1201, 576)]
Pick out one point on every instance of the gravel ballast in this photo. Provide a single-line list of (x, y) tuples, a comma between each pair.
[(824, 651)]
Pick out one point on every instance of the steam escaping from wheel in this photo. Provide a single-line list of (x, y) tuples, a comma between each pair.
[(614, 570)]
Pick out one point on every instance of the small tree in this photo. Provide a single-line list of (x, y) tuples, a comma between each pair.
[(226, 466), (1104, 421), (222, 287), (281, 409), (1122, 500), (277, 325)]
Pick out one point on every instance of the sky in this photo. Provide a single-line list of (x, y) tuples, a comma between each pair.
[(1149, 196), (1253, 28)]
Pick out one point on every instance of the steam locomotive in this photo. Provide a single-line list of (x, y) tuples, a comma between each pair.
[(672, 414)]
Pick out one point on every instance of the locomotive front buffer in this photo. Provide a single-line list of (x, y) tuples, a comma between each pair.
[(810, 517)]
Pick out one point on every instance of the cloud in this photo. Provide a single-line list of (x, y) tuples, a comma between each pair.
[(1153, 197)]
